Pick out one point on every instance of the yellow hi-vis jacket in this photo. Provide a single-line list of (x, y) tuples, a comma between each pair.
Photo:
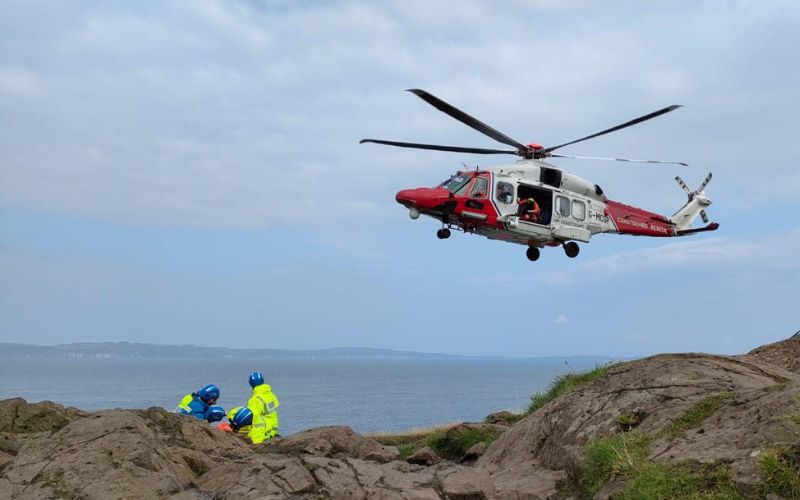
[(257, 431), (184, 404), (264, 406)]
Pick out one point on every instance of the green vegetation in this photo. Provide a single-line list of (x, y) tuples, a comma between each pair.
[(409, 442), (612, 455), (450, 442), (780, 471), (407, 449), (455, 442), (653, 480), (697, 414), (627, 454), (565, 384), (627, 422)]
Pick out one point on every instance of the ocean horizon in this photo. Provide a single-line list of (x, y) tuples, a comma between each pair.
[(369, 394)]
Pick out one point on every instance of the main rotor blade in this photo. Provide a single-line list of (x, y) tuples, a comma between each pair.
[(704, 183), (617, 159), (683, 185), (436, 147), (618, 127), (467, 119)]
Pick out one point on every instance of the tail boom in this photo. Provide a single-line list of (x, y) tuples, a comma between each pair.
[(639, 222)]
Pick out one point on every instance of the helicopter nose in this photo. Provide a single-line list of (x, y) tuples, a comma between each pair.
[(406, 197), (422, 198)]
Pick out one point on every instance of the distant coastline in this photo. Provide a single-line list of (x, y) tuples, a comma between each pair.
[(103, 350)]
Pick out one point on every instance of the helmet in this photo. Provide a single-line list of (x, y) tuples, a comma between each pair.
[(209, 393), (256, 379), (215, 414), (240, 417)]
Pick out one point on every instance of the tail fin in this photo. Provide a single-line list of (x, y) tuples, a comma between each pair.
[(696, 205)]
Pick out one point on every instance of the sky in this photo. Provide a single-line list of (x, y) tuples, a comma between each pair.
[(188, 172)]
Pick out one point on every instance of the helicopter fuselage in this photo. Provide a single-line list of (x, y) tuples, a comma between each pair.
[(488, 201), (534, 203)]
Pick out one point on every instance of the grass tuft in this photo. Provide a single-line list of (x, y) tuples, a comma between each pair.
[(652, 480), (407, 449), (565, 384), (410, 441), (780, 471), (697, 414), (628, 422), (626, 455), (453, 444), (617, 454), (448, 441)]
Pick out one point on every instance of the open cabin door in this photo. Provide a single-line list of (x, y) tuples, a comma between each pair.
[(543, 198), (507, 196), (518, 216)]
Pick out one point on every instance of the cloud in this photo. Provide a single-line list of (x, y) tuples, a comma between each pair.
[(774, 253), (19, 82), (233, 114), (561, 320)]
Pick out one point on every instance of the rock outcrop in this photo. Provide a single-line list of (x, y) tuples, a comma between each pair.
[(48, 451), (53, 452), (544, 448)]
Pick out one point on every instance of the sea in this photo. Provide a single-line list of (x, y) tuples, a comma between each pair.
[(371, 395)]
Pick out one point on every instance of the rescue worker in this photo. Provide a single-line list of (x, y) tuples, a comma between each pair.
[(528, 210), (201, 404), (241, 422), (264, 405)]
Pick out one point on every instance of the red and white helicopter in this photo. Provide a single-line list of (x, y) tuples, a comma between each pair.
[(496, 202)]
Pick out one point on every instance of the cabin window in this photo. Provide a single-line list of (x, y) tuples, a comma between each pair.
[(550, 176), (505, 192), (578, 209), (562, 206), (480, 188)]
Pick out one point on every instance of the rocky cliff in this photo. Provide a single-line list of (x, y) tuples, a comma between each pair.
[(700, 415)]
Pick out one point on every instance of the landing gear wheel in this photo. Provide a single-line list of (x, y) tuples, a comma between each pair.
[(532, 253), (571, 249), (443, 233)]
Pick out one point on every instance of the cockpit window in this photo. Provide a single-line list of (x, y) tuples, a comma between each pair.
[(480, 188), (456, 182)]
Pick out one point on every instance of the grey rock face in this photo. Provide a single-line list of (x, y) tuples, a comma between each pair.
[(474, 453), (334, 441), (48, 451), (424, 456), (155, 454)]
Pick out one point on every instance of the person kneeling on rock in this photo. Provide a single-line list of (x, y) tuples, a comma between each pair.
[(201, 405), (241, 420), (263, 403)]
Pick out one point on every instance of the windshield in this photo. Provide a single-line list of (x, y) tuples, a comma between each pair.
[(455, 182)]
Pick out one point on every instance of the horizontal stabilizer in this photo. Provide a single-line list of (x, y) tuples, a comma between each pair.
[(711, 227)]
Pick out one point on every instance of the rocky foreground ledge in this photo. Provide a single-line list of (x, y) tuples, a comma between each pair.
[(695, 411)]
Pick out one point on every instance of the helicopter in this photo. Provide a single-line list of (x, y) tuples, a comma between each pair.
[(534, 203)]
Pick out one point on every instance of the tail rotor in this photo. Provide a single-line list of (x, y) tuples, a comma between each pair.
[(683, 185), (696, 204), (704, 183)]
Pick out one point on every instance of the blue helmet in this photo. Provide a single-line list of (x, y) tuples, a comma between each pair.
[(240, 417), (256, 379), (208, 393), (215, 414)]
